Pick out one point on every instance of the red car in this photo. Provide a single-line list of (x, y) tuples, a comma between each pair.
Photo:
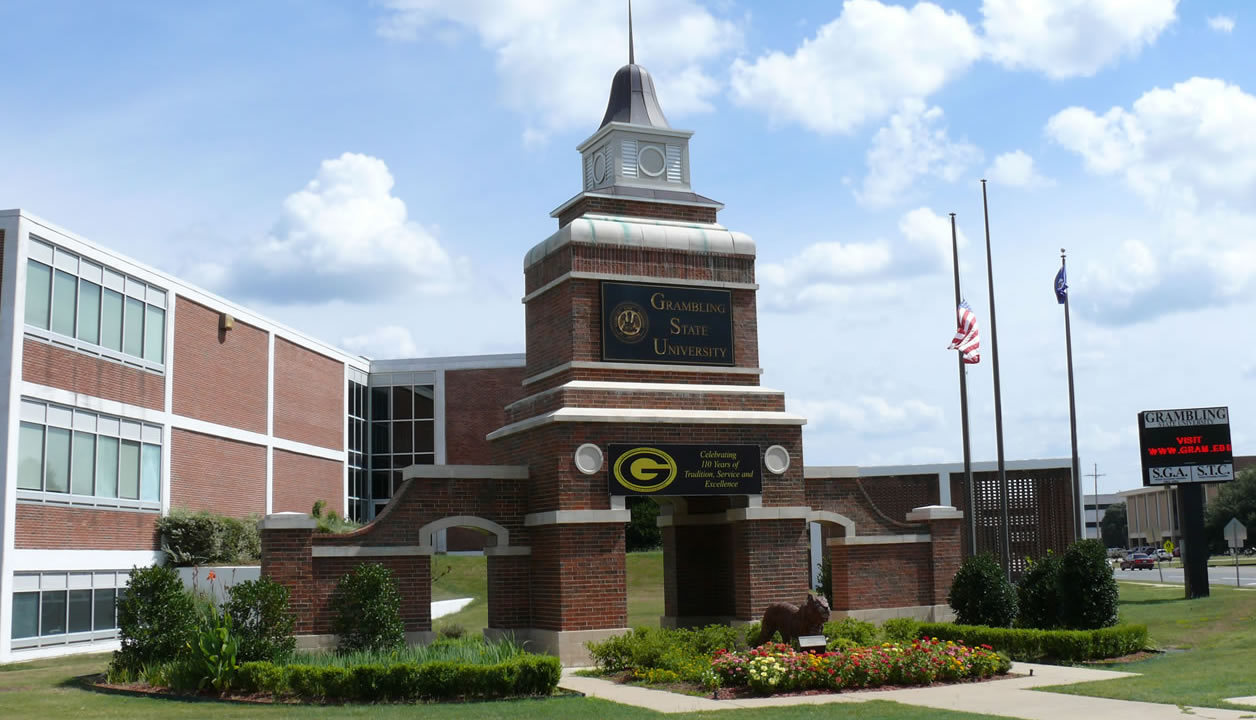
[(1138, 560)]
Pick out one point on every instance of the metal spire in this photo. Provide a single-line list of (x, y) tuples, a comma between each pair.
[(632, 60)]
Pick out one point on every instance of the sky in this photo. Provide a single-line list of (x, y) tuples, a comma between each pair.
[(372, 173)]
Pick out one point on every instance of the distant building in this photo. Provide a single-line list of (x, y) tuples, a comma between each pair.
[(1095, 511), (1152, 513)]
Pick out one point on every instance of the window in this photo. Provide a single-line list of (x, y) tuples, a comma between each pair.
[(73, 454), (355, 431), (402, 433), (74, 301), (56, 608)]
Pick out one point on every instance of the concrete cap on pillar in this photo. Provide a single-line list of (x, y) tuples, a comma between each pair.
[(934, 512), (287, 521)]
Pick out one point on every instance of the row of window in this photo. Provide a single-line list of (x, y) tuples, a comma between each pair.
[(58, 608), (76, 452), (103, 310)]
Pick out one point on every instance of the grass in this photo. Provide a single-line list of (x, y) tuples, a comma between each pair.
[(50, 688), (463, 576), (1209, 644)]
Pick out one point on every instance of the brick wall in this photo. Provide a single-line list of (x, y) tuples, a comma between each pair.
[(299, 480), (44, 526), (629, 398), (219, 375), (475, 407), (578, 577), (636, 208), (77, 372), (216, 474), (877, 506), (309, 396), (414, 582), (770, 565), (509, 594), (882, 576)]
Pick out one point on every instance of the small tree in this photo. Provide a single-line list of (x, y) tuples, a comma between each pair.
[(1038, 594), (1234, 500), (156, 618), (367, 610), (1088, 591), (642, 532), (981, 594), (263, 624), (1114, 527)]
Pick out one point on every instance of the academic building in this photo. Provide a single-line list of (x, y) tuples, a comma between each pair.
[(130, 392)]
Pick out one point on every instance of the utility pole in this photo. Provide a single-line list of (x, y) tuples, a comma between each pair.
[(1095, 475)]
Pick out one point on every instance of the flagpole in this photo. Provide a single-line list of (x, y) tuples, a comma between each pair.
[(1080, 514), (963, 409), (1005, 547)]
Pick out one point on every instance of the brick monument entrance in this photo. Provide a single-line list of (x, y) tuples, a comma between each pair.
[(642, 378)]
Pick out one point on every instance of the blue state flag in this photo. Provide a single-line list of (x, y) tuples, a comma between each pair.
[(1061, 287)]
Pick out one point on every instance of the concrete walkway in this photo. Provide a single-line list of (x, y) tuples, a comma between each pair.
[(1012, 697)]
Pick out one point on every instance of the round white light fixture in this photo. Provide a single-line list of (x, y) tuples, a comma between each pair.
[(776, 459), (588, 458)]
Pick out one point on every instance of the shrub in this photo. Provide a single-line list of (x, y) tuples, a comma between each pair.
[(524, 675), (664, 655), (190, 538), (1060, 646), (263, 624), (1038, 594), (214, 651), (156, 618), (858, 632), (981, 594), (900, 630), (1088, 592), (330, 521), (826, 579), (367, 609)]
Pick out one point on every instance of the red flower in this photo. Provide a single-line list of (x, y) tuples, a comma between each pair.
[(211, 575)]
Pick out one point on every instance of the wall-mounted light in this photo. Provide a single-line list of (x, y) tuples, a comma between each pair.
[(225, 321)]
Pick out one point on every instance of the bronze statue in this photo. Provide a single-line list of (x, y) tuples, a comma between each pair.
[(792, 621)]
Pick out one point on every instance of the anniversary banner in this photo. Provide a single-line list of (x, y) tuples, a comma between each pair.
[(652, 469), (666, 324)]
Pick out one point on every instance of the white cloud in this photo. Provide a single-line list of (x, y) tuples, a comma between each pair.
[(1221, 24), (858, 67), (1191, 141), (389, 341), (828, 272), (1016, 169), (869, 415), (344, 236), (1070, 38), (913, 144), (556, 58), (1189, 154)]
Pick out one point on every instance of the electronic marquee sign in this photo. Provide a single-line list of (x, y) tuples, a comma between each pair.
[(1185, 446)]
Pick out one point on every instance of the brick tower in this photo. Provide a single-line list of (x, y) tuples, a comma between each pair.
[(642, 378)]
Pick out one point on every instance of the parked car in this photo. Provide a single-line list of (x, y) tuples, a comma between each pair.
[(1138, 560), (1162, 554)]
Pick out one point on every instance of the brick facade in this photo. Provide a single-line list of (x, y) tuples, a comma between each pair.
[(309, 396), (636, 208), (578, 580), (299, 480), (877, 505), (77, 372), (474, 407), (219, 375), (217, 474), (70, 528)]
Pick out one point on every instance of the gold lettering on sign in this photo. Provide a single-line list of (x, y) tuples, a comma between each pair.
[(663, 347), (659, 301)]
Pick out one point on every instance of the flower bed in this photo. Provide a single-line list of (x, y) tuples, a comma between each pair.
[(775, 668)]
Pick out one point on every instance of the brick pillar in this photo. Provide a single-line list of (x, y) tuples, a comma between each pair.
[(509, 595), (578, 576), (770, 558), (287, 539), (840, 571), (946, 550)]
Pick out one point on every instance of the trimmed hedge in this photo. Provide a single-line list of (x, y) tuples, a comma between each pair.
[(197, 538), (1052, 646), (403, 682)]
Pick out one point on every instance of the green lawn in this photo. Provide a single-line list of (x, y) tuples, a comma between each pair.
[(50, 688), (1209, 648), (462, 576)]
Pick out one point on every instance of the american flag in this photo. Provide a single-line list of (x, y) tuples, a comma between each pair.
[(966, 339)]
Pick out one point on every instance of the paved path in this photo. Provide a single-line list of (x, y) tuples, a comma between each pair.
[(1012, 697)]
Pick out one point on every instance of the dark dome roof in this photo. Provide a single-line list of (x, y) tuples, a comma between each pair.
[(633, 100)]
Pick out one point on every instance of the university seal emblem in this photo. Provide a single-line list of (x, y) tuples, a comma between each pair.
[(629, 322)]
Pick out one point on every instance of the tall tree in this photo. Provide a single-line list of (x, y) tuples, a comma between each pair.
[(1235, 499), (1114, 526)]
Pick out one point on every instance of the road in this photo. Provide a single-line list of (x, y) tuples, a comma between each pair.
[(1222, 575)]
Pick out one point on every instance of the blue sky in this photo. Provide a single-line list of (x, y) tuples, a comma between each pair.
[(372, 173)]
